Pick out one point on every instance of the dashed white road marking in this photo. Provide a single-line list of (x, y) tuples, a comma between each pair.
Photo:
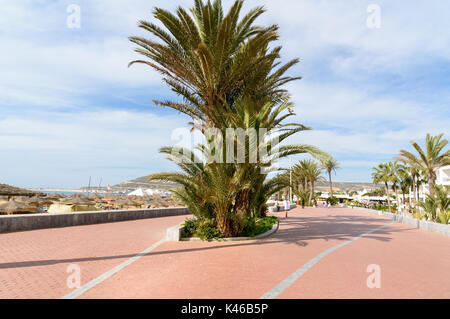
[(94, 282), (278, 289)]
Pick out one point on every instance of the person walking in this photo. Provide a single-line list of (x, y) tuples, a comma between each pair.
[(303, 203)]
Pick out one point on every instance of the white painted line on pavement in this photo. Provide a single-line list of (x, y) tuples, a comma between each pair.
[(278, 289), (94, 282)]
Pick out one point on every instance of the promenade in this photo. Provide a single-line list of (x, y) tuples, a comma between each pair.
[(316, 253)]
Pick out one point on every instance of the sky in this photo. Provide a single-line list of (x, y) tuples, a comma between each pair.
[(375, 75)]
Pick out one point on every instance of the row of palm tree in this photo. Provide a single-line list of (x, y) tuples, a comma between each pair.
[(228, 73), (409, 171), (306, 173)]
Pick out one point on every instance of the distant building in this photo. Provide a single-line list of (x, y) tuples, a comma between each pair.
[(443, 176)]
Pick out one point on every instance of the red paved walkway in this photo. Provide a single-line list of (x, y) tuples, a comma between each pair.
[(413, 262)]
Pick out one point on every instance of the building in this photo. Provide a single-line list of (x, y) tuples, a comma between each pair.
[(443, 176)]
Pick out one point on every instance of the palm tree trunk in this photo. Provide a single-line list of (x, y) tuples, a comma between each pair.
[(397, 199), (311, 189), (410, 202), (414, 186), (331, 184), (388, 199), (431, 182), (223, 225)]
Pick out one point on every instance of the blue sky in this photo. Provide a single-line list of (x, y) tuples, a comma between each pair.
[(70, 108)]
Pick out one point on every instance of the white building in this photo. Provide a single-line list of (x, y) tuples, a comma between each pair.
[(443, 176)]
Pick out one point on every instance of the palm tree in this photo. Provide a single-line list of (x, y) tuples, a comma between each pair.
[(414, 173), (307, 172), (438, 203), (211, 58), (231, 192), (330, 165), (405, 181), (383, 174), (395, 170), (429, 160), (228, 73)]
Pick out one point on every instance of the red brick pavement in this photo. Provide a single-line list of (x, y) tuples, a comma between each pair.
[(413, 262)]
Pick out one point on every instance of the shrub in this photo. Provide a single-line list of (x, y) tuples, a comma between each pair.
[(190, 227), (444, 218), (206, 229), (258, 226), (332, 200)]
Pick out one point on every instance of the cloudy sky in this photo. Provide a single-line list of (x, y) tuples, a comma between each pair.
[(70, 108)]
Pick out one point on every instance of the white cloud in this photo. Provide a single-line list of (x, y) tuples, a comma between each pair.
[(345, 65), (63, 144)]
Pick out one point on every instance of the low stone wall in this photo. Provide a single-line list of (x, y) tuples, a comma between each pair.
[(422, 224), (9, 223)]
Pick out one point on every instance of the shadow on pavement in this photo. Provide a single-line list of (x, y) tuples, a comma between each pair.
[(297, 230)]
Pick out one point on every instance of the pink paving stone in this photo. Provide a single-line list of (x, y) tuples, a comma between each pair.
[(236, 269), (412, 261), (413, 264), (33, 264)]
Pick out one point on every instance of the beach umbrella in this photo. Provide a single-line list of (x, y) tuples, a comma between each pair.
[(126, 202), (36, 201), (77, 201), (12, 207), (9, 190)]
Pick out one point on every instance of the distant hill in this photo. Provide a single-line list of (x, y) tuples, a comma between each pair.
[(344, 186), (143, 182)]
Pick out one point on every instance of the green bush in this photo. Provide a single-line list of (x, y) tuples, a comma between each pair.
[(332, 200), (190, 227), (258, 226), (206, 229), (444, 218)]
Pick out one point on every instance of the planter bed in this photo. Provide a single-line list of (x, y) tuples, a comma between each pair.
[(174, 234)]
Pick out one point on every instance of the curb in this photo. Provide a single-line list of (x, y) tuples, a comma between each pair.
[(420, 224), (173, 234)]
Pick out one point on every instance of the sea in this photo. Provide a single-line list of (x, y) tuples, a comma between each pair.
[(72, 193)]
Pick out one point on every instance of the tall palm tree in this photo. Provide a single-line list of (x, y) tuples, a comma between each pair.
[(228, 72), (395, 170), (383, 174), (414, 173), (429, 159), (405, 181), (330, 165), (230, 192), (308, 172), (211, 58)]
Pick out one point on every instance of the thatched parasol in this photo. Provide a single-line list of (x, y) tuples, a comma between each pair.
[(9, 190), (126, 202), (12, 207), (35, 201), (76, 200)]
